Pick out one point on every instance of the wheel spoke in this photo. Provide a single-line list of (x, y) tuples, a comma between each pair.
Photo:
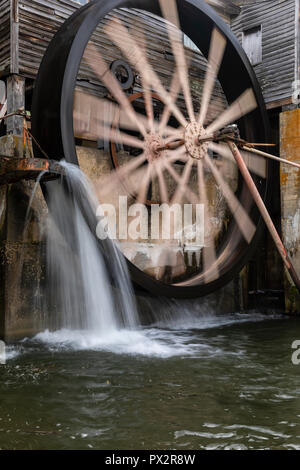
[(148, 105), (120, 36), (144, 185), (174, 92), (176, 268), (216, 52), (100, 68), (173, 132), (109, 183), (178, 154), (182, 185), (158, 167), (240, 107), (100, 131), (133, 182), (211, 271), (189, 194), (170, 12), (130, 166), (83, 116), (254, 163), (243, 221), (139, 35)]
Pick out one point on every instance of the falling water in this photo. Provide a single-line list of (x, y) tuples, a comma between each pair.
[(91, 304), (85, 294)]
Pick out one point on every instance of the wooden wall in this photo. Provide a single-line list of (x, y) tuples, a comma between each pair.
[(279, 21), (4, 36), (38, 20)]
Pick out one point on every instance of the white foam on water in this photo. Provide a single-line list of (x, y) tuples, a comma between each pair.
[(137, 343), (151, 341)]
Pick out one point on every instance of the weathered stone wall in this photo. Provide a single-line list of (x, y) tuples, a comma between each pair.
[(290, 199), (21, 253)]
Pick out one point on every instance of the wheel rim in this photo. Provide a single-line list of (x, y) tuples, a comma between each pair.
[(75, 36)]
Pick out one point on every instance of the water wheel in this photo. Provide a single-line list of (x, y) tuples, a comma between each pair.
[(160, 104)]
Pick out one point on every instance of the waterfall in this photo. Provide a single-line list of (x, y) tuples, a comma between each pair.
[(84, 292)]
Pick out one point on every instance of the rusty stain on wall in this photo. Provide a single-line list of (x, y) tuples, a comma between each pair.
[(290, 197)]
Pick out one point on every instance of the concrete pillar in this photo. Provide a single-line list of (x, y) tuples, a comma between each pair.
[(290, 199)]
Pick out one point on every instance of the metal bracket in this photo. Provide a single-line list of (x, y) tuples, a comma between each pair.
[(14, 169)]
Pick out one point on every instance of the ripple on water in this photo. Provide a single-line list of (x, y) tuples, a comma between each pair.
[(178, 337), (182, 387)]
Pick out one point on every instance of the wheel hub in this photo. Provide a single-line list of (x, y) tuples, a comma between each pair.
[(153, 144), (195, 148)]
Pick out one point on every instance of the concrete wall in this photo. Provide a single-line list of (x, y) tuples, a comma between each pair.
[(290, 199)]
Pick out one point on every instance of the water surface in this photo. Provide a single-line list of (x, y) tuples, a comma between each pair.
[(219, 382)]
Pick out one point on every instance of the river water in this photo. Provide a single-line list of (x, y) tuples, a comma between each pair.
[(100, 380), (212, 382)]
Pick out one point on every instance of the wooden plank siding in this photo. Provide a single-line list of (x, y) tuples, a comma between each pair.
[(4, 36), (279, 22), (224, 8), (40, 19)]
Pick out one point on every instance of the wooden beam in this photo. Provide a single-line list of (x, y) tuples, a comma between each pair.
[(279, 103), (15, 101), (3, 101), (14, 36)]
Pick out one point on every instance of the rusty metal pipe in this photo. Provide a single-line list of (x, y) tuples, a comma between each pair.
[(269, 155), (171, 146), (264, 213)]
